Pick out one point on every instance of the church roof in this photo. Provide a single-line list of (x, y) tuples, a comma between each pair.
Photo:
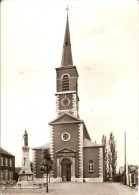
[(2, 151), (88, 143), (67, 54), (47, 145)]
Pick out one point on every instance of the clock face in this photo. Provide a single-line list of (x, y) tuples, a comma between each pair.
[(65, 101)]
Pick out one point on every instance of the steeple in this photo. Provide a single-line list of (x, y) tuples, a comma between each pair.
[(67, 80), (67, 54)]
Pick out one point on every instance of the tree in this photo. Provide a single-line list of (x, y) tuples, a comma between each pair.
[(112, 156), (109, 156), (46, 165), (105, 156), (109, 164)]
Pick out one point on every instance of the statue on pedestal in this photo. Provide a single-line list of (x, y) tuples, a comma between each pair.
[(25, 174), (25, 137)]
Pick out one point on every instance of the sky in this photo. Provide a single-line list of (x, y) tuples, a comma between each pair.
[(104, 38)]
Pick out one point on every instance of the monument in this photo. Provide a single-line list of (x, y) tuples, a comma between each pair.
[(25, 175)]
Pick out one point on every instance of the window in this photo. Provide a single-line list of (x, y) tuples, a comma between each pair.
[(10, 162), (10, 175), (91, 166), (1, 175), (6, 161), (2, 161), (6, 175), (65, 136), (65, 82)]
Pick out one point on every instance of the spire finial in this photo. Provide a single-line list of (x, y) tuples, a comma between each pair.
[(67, 9)]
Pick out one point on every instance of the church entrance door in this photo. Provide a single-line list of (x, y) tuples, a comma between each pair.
[(66, 169)]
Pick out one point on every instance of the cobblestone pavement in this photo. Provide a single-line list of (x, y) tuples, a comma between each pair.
[(125, 190), (77, 189)]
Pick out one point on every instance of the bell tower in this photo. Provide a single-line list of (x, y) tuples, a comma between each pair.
[(67, 80)]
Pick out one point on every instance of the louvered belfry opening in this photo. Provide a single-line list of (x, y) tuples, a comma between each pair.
[(65, 83)]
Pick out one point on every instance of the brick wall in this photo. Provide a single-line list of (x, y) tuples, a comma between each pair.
[(7, 167), (72, 72), (91, 154), (72, 144), (38, 162)]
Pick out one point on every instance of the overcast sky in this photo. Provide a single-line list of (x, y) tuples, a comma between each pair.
[(105, 50)]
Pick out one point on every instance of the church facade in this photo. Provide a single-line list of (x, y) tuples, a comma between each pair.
[(75, 157)]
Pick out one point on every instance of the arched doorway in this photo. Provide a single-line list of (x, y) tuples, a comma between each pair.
[(66, 169)]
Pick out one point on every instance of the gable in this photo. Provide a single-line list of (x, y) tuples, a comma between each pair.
[(65, 118), (65, 150)]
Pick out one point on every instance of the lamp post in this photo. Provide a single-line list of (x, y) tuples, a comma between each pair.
[(125, 158)]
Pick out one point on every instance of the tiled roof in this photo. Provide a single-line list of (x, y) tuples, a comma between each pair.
[(47, 145), (89, 143), (2, 151)]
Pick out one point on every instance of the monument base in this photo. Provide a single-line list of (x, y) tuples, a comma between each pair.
[(25, 177), (27, 185)]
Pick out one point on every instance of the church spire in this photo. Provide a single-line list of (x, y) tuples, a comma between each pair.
[(67, 54)]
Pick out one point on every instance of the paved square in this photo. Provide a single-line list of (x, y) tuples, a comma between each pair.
[(77, 189)]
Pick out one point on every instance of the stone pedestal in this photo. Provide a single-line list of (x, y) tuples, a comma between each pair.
[(25, 174)]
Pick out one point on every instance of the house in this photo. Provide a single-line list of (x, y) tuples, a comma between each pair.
[(7, 166)]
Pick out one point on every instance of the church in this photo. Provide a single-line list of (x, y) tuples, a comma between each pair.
[(75, 157)]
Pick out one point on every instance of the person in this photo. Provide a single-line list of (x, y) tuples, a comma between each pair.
[(25, 136)]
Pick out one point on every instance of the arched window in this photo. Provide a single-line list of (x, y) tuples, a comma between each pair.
[(91, 166), (65, 83)]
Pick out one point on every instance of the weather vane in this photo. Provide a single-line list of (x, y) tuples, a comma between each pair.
[(67, 9)]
